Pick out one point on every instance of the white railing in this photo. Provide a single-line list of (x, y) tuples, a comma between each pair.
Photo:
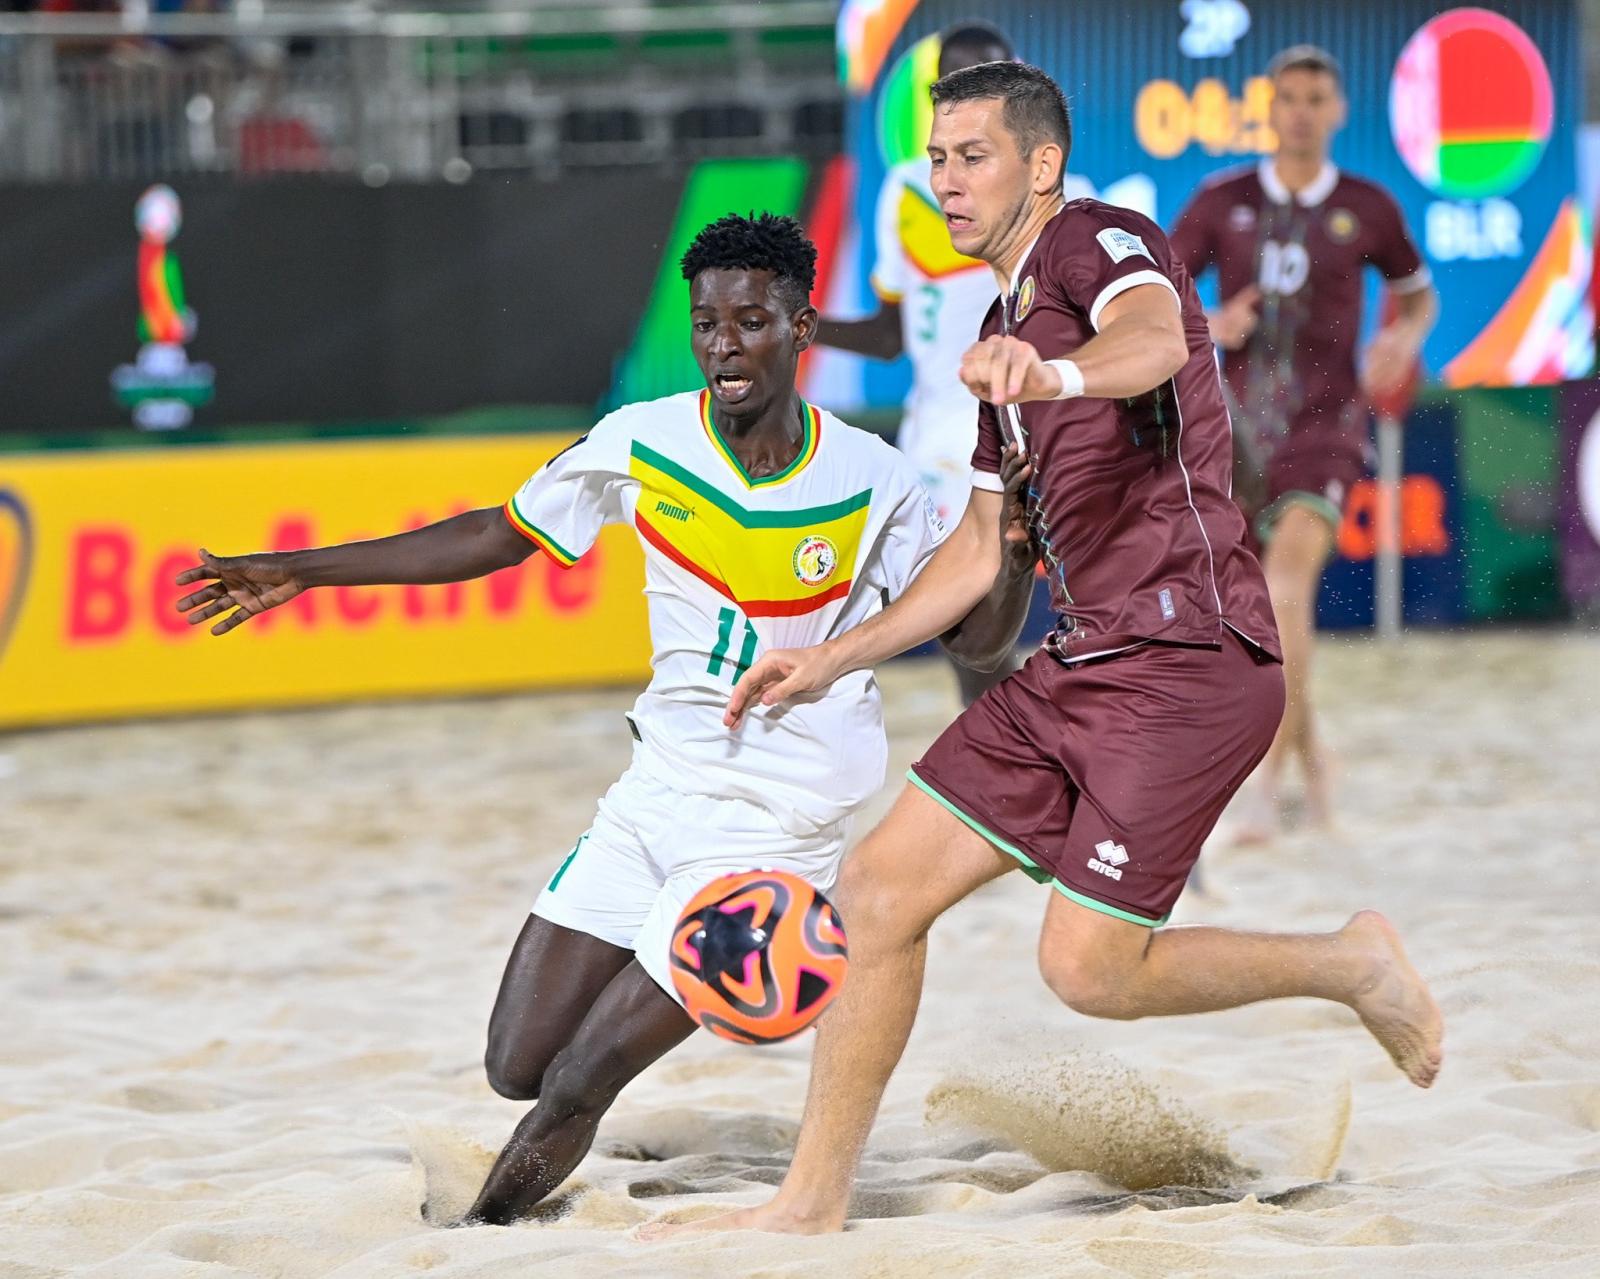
[(415, 96)]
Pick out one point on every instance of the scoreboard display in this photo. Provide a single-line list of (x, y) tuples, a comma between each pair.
[(1467, 115)]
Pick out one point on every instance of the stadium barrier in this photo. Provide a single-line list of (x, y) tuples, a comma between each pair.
[(418, 97)]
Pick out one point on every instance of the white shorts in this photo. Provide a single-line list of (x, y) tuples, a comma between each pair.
[(940, 447), (652, 848)]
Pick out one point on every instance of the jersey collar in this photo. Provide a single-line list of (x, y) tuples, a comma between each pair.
[(1016, 276), (1318, 190), (811, 427)]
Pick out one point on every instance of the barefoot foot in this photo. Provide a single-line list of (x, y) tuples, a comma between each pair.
[(1393, 1001), (769, 1217)]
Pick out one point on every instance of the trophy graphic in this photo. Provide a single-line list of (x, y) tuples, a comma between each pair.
[(162, 387)]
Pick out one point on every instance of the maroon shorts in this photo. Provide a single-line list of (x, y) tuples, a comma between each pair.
[(1316, 467), (1104, 778)]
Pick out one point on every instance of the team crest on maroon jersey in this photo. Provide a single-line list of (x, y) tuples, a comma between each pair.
[(1342, 226), (1241, 217), (1025, 299)]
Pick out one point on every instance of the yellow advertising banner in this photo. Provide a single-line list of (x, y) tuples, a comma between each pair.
[(90, 543)]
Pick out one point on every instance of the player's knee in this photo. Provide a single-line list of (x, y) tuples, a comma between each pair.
[(1085, 983), (515, 1076), (874, 914)]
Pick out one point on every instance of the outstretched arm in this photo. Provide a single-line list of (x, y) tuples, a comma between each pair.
[(453, 550), (985, 637)]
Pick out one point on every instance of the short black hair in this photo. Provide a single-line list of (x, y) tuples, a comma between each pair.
[(1306, 57), (974, 35), (768, 242), (1035, 110)]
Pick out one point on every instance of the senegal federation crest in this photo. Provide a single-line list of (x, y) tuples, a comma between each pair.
[(815, 559)]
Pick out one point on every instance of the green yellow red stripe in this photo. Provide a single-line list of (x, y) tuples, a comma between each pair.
[(811, 428), (539, 537), (750, 607), (653, 536), (799, 517)]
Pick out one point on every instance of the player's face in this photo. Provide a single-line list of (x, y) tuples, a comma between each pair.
[(746, 342), (1307, 110), (980, 178)]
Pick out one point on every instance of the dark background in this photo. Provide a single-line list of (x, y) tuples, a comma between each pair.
[(328, 302)]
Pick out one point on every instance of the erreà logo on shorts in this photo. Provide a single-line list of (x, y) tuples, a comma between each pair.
[(1109, 856), (815, 560)]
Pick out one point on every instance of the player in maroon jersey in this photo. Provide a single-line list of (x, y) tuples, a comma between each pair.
[(1289, 238), (1100, 767)]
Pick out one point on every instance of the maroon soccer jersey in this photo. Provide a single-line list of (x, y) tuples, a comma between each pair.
[(1305, 253), (1128, 504)]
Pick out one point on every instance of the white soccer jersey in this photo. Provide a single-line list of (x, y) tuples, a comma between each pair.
[(943, 296), (733, 567)]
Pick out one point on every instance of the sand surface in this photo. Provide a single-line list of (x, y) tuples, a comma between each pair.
[(245, 966)]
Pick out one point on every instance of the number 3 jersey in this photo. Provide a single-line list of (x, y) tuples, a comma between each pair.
[(735, 566)]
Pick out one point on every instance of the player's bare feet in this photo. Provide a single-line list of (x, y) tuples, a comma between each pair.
[(770, 1217), (1394, 1003)]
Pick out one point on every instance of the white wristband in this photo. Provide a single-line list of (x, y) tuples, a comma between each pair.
[(1071, 379)]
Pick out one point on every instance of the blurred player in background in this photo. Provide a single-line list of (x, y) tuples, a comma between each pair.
[(764, 522), (1288, 238), (932, 300)]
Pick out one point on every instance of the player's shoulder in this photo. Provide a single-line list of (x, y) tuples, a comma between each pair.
[(1076, 215), (914, 172), (1087, 229), (1234, 182), (1353, 187), (644, 418), (859, 448), (909, 177)]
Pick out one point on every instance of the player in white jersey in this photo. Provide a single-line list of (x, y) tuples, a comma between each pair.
[(765, 524), (932, 301)]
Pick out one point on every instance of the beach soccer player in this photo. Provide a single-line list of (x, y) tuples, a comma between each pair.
[(1289, 238), (764, 522), (1100, 767)]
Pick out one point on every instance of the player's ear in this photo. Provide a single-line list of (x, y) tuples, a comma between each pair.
[(1049, 168), (804, 325)]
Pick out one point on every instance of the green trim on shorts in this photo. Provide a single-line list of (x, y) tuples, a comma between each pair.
[(562, 869), (1031, 868), (1318, 504)]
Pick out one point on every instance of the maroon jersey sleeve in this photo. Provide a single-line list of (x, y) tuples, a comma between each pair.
[(1101, 253), (1389, 244), (991, 443), (1193, 241), (991, 440)]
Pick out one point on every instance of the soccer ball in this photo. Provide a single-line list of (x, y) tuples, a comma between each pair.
[(756, 956)]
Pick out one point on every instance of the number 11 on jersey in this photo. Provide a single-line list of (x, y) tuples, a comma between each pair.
[(719, 654)]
